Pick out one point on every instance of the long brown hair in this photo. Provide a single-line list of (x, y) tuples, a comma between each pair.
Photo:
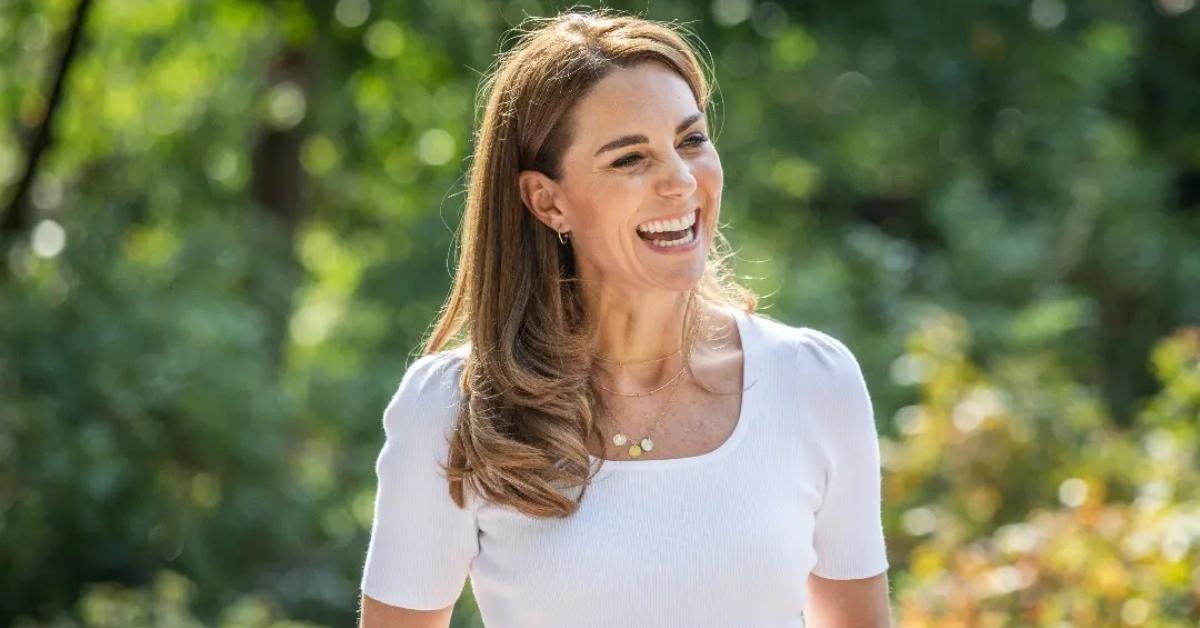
[(529, 403)]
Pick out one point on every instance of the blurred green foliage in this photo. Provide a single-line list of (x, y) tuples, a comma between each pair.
[(1014, 498), (245, 222)]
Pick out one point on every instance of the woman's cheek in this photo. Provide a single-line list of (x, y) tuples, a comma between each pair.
[(711, 179), (709, 172)]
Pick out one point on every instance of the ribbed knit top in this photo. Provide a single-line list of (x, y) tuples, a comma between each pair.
[(725, 538)]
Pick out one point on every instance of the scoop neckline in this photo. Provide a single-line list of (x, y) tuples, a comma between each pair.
[(742, 321)]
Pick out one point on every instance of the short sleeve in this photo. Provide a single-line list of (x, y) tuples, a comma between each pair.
[(848, 530), (422, 543)]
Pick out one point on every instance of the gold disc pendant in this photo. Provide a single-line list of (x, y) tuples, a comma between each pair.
[(635, 451)]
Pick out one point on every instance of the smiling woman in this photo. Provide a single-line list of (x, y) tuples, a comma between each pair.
[(626, 201), (727, 458)]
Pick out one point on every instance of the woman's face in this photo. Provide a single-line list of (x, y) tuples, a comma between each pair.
[(640, 184)]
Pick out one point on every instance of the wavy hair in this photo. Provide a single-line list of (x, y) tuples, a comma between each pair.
[(529, 400)]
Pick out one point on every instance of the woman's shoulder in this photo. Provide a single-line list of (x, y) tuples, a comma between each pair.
[(437, 366), (828, 379), (793, 346), (428, 388)]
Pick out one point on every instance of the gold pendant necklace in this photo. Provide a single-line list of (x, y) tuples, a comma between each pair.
[(646, 443)]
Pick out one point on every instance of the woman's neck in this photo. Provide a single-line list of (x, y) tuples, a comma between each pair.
[(638, 327)]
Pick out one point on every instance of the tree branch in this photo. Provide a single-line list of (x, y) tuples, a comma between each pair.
[(17, 216)]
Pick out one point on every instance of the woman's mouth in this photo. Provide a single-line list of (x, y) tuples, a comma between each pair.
[(671, 236)]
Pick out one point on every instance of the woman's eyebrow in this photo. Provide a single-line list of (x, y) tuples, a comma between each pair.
[(626, 140)]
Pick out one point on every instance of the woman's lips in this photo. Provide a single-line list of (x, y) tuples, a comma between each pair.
[(669, 235), (693, 232)]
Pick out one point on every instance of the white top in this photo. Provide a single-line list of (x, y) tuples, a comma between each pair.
[(725, 538)]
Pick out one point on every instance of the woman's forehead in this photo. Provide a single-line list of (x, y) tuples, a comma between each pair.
[(646, 98)]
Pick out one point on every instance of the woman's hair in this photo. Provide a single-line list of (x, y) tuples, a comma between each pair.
[(529, 402)]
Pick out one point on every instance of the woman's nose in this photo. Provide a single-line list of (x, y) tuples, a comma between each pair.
[(677, 178)]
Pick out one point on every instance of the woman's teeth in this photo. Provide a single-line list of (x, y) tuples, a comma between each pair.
[(668, 241), (670, 233), (678, 224), (686, 239)]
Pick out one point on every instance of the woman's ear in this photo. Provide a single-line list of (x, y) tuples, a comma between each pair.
[(539, 193)]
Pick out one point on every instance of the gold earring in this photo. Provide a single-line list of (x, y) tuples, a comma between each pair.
[(560, 237)]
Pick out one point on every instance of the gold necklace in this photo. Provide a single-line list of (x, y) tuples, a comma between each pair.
[(673, 353), (645, 443), (644, 394)]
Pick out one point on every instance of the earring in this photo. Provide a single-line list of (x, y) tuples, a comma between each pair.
[(560, 237)]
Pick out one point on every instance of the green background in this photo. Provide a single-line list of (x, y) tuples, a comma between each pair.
[(243, 221)]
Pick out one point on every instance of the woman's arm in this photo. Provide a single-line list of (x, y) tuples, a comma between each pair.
[(422, 543), (376, 614), (859, 603)]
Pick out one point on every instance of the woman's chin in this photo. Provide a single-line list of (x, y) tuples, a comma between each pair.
[(681, 279)]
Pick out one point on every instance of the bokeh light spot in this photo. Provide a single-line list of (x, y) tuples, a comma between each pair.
[(1047, 14), (731, 12), (1073, 492), (48, 239), (769, 20), (352, 13), (286, 105), (435, 147), (384, 39)]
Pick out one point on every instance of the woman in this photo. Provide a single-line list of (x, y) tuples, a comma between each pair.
[(618, 440)]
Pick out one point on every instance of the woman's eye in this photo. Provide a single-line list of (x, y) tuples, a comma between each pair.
[(627, 160), (694, 140)]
